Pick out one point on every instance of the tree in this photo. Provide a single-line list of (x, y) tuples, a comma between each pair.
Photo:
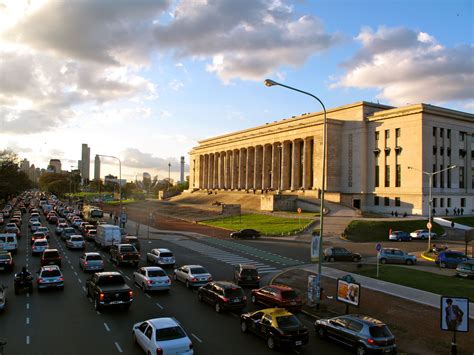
[(58, 184), (12, 180)]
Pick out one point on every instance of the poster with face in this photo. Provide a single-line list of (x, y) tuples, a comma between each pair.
[(315, 248), (348, 292), (454, 314)]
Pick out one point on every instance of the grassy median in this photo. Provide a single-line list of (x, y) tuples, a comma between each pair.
[(467, 221), (267, 225), (422, 280)]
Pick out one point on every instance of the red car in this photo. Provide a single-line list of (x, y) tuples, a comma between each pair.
[(277, 296)]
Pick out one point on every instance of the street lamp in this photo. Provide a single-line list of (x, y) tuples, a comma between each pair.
[(269, 83), (169, 175), (430, 200), (120, 177)]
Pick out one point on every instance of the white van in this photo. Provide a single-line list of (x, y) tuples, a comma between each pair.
[(107, 235), (8, 242)]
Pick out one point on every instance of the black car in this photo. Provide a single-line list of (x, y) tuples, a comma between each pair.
[(246, 275), (132, 240), (245, 233), (340, 254), (363, 333), (222, 295)]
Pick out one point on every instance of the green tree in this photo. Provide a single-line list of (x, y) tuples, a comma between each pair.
[(58, 184), (12, 180)]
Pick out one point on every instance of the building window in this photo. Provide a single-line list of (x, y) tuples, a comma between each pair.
[(386, 201), (448, 184), (434, 131), (472, 154), (441, 202), (387, 175), (435, 177), (462, 136), (463, 202), (377, 176), (376, 200), (472, 177), (441, 178), (397, 132), (377, 135), (435, 203), (398, 180), (448, 202), (448, 133), (397, 201), (441, 151), (387, 134), (441, 134), (448, 152), (435, 150), (461, 177)]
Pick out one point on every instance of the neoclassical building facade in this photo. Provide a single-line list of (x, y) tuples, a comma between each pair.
[(375, 158)]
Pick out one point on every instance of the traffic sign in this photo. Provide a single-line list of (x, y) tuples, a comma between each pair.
[(299, 210), (429, 225), (378, 247)]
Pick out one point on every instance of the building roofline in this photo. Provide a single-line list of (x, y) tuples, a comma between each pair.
[(421, 107)]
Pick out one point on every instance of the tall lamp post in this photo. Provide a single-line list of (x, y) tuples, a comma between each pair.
[(269, 82), (430, 200), (120, 177), (169, 175)]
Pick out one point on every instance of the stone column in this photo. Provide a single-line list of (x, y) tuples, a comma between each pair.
[(228, 169), (242, 168), (307, 163), (200, 164), (204, 171), (250, 168), (215, 179), (276, 152), (258, 167), (211, 171), (235, 169), (285, 166), (221, 170), (267, 166), (296, 165)]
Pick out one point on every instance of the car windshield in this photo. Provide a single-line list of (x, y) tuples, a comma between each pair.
[(169, 333), (111, 280), (289, 295), (69, 230), (249, 272), (233, 292), (380, 331), (166, 255), (287, 321), (93, 257), (51, 254), (76, 239), (156, 273), (50, 273), (41, 244), (198, 271), (92, 231), (127, 248)]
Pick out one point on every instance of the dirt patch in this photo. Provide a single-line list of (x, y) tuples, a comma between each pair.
[(416, 326)]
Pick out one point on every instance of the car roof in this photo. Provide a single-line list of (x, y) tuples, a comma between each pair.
[(151, 268), (40, 240), (165, 322), (366, 319), (281, 287), (46, 250), (164, 250), (50, 267), (190, 266), (275, 312), (91, 253), (225, 284), (391, 249), (248, 266), (108, 273)]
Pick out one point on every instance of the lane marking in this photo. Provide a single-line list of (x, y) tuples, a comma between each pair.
[(27, 320), (84, 288), (118, 347), (128, 278), (75, 273), (98, 313), (106, 327), (79, 280), (27, 340), (27, 294), (195, 337), (146, 294), (159, 305), (27, 306)]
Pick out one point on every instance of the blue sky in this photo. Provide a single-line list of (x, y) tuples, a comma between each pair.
[(146, 80)]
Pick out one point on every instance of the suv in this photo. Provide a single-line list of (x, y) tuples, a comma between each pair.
[(51, 257), (124, 253), (50, 276), (399, 236), (395, 256), (450, 258), (222, 295), (246, 275), (340, 254), (245, 233), (277, 296), (363, 333), (161, 257)]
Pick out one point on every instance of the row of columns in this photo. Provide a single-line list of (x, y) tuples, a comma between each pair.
[(286, 165)]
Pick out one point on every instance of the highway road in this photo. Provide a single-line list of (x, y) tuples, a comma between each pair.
[(65, 322)]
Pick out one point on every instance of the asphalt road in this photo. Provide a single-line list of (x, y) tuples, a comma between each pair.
[(65, 322)]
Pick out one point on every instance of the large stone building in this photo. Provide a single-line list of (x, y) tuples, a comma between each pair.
[(370, 148)]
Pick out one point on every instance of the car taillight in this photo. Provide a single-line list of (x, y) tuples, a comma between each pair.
[(40, 280), (225, 299), (370, 341), (61, 278), (244, 298), (120, 256), (150, 282), (86, 263), (130, 294), (159, 351), (194, 279), (101, 296)]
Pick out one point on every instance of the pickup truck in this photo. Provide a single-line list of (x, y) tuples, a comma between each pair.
[(109, 289), (124, 254)]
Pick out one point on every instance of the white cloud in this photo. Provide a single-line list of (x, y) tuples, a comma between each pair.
[(134, 158), (408, 66)]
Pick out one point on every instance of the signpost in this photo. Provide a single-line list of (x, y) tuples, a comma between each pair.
[(429, 225), (378, 247), (348, 291), (454, 317), (150, 219)]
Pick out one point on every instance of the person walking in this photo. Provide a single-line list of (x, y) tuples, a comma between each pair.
[(447, 212), (462, 211)]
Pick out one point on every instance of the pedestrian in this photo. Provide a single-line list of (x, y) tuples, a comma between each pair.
[(392, 213), (433, 211), (447, 212), (110, 215), (404, 214), (462, 211), (396, 214), (115, 219)]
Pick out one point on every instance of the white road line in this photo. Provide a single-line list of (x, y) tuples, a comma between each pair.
[(78, 279), (159, 305), (27, 320), (27, 340), (195, 337), (128, 278), (75, 273), (106, 327), (98, 313), (27, 294), (118, 347), (146, 294), (27, 306), (84, 288)]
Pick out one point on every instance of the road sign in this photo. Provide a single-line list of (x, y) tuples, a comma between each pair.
[(429, 225), (299, 210), (378, 247)]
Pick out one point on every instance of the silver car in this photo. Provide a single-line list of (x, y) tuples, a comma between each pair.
[(422, 234), (75, 242), (396, 256), (192, 275), (91, 262), (151, 278), (161, 257), (50, 277)]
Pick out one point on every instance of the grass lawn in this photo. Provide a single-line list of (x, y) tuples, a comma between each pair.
[(116, 202), (426, 281), (267, 225), (467, 221), (377, 231)]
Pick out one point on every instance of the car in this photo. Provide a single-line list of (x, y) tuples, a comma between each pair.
[(2, 221), (16, 220), (395, 256), (67, 232), (132, 240), (53, 219), (44, 230), (223, 296), (6, 261), (340, 254), (422, 234), (246, 275), (162, 336), (50, 277), (76, 222), (109, 289), (9, 242), (59, 228), (51, 257), (151, 278), (465, 269), (91, 262), (37, 235), (90, 234), (34, 226), (363, 333), (12, 228), (450, 258), (399, 236), (277, 326), (124, 254), (39, 246), (161, 257), (76, 241), (86, 228), (192, 275), (277, 296), (245, 233), (32, 220)]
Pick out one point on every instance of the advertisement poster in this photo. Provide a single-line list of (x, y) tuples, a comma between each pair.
[(348, 292), (454, 314), (312, 286), (315, 248)]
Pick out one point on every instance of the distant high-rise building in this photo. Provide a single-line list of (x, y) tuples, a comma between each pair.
[(181, 171), (85, 163), (25, 166), (97, 168), (54, 166)]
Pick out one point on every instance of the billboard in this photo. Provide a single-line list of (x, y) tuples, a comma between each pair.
[(348, 292), (315, 248), (454, 314)]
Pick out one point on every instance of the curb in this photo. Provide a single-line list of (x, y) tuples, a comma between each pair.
[(424, 256)]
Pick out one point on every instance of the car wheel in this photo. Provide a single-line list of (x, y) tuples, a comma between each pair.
[(409, 262), (187, 284), (253, 299), (442, 264), (383, 261), (355, 259), (243, 326), (361, 350), (331, 259), (199, 297), (321, 332), (271, 343)]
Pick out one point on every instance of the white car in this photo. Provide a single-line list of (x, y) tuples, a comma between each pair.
[(192, 275), (39, 246), (422, 234), (45, 230), (75, 242), (151, 278), (50, 277), (162, 336), (161, 257)]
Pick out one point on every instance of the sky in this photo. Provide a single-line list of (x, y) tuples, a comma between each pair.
[(146, 80)]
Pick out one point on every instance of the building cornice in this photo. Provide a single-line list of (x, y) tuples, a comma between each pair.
[(421, 108)]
